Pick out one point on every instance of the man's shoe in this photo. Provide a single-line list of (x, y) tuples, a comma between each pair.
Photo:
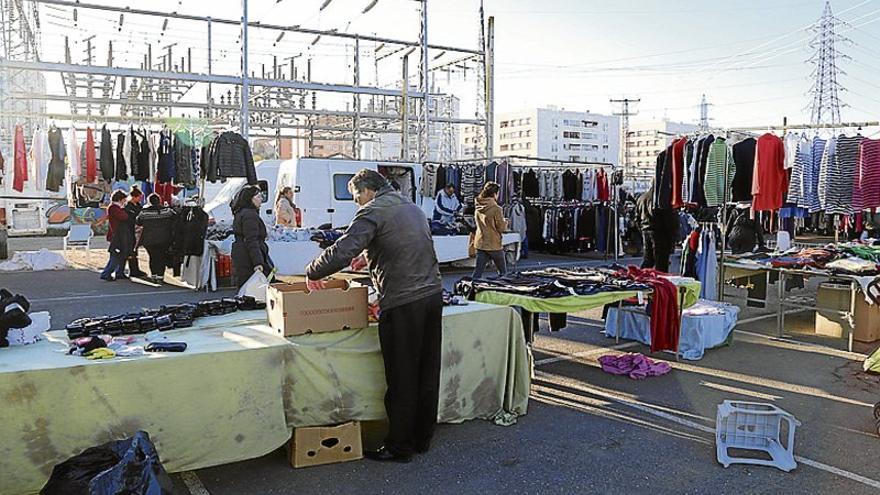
[(108, 279), (138, 274), (384, 455)]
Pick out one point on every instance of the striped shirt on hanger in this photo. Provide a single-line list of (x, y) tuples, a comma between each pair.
[(868, 180), (715, 184), (841, 177), (811, 194)]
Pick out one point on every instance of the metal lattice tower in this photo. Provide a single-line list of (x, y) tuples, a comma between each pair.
[(825, 105), (19, 40), (704, 114)]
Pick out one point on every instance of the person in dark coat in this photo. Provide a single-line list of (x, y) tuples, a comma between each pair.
[(133, 208), (250, 253), (157, 221), (119, 237), (659, 231)]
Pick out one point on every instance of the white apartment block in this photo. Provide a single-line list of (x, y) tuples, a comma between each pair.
[(559, 134), (645, 140)]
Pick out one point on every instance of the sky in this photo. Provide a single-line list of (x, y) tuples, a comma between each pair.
[(749, 57)]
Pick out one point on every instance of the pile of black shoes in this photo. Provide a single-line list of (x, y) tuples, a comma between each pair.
[(166, 317), (13, 314)]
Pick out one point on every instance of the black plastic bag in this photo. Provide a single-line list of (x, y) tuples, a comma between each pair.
[(129, 467)]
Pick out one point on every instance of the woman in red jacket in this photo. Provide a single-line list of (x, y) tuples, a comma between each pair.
[(118, 235)]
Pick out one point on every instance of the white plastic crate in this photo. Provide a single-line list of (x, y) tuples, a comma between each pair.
[(757, 427)]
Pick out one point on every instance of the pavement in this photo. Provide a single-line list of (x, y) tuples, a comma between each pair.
[(586, 431)]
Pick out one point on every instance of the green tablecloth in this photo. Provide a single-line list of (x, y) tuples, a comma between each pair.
[(238, 390), (573, 304)]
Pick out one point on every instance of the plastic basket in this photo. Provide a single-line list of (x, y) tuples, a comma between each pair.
[(757, 427)]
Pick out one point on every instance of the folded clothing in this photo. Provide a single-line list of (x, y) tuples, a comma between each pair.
[(636, 366)]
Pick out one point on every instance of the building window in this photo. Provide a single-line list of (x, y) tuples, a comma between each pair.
[(503, 123), (528, 146), (504, 147), (571, 135)]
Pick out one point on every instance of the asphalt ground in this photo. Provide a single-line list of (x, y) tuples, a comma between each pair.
[(586, 431)]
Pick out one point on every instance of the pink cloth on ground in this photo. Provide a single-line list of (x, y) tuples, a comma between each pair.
[(636, 366)]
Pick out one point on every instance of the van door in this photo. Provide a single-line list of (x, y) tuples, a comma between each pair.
[(312, 178)]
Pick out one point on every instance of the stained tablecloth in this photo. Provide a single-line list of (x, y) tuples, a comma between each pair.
[(238, 390)]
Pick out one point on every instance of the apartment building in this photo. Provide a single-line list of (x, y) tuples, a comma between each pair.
[(645, 140)]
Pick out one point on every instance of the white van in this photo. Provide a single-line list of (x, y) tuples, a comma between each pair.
[(320, 186)]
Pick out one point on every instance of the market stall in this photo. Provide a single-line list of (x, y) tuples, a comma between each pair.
[(238, 390), (851, 264)]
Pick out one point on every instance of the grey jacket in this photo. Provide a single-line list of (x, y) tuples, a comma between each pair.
[(399, 249)]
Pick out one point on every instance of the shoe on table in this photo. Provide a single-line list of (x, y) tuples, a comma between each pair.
[(384, 455)]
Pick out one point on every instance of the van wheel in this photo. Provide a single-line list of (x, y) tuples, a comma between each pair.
[(877, 411)]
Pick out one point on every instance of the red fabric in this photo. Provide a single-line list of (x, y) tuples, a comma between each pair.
[(665, 322), (115, 214), (91, 162), (694, 241), (165, 191), (19, 160), (678, 171), (770, 181), (602, 191)]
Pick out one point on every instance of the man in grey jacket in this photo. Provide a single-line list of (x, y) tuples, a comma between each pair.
[(394, 237)]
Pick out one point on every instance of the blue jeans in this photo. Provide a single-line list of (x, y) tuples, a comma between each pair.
[(116, 264)]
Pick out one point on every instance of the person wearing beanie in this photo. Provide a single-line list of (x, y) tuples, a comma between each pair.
[(250, 253)]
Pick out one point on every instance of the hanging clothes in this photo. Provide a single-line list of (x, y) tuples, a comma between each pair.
[(107, 163), (603, 191), (73, 155), (569, 185), (154, 155), (707, 265), (530, 185), (716, 183), (802, 160), (143, 157), (744, 161), (841, 187), (791, 143), (19, 160), (2, 167), (167, 169), (869, 173), (183, 159), (769, 179), (663, 180), (678, 147), (504, 178), (429, 180), (122, 157), (40, 155), (688, 172), (55, 174), (812, 191), (91, 160)]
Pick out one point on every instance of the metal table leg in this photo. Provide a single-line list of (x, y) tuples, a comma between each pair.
[(780, 312), (681, 293), (854, 288), (617, 329)]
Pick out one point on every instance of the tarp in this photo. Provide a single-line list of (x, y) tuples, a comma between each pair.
[(34, 261), (238, 390), (699, 331), (573, 304)]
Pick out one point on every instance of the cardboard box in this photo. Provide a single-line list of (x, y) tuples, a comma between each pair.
[(292, 310), (326, 445), (837, 296)]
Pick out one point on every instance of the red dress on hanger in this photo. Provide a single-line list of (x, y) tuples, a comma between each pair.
[(19, 160), (91, 161), (770, 179)]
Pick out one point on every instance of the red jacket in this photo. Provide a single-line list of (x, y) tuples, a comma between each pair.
[(115, 214), (769, 181)]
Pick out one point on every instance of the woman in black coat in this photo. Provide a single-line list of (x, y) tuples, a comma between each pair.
[(250, 253), (157, 221)]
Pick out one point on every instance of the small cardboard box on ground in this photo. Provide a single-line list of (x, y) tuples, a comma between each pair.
[(293, 310), (313, 446), (837, 296)]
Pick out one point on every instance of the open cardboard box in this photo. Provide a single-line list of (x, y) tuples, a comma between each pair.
[(293, 310)]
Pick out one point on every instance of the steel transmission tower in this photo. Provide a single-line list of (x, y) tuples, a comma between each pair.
[(825, 105), (704, 114), (19, 40)]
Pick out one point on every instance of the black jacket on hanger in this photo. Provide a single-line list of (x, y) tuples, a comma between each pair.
[(230, 156), (108, 166), (663, 180), (121, 159), (530, 187), (744, 158)]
